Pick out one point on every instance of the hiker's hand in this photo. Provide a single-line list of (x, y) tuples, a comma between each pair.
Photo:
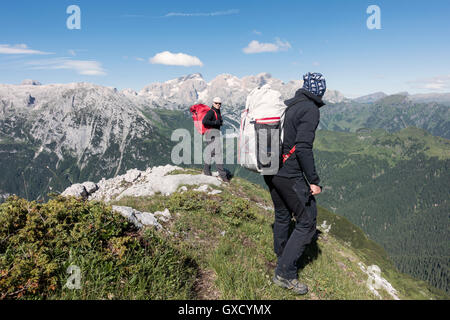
[(315, 190)]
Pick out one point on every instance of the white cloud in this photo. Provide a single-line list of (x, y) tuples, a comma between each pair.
[(438, 83), (205, 14), (175, 59), (140, 59), (72, 52), (83, 67), (258, 47), (257, 32), (19, 49)]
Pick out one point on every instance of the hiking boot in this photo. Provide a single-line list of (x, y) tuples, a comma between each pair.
[(294, 284), (226, 180)]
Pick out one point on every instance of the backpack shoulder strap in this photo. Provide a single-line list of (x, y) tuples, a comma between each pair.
[(215, 113), (286, 156)]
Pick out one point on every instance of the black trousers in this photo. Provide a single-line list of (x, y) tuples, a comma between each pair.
[(291, 198), (213, 156)]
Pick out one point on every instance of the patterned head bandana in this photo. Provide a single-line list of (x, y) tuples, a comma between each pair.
[(315, 83)]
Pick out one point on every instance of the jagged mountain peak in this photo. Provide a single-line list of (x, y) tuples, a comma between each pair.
[(59, 97), (187, 90), (193, 76), (370, 98), (264, 75), (402, 93), (129, 91), (334, 96), (30, 82)]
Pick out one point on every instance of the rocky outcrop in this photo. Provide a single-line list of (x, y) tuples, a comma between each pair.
[(141, 219), (376, 282), (137, 183), (4, 196), (82, 190)]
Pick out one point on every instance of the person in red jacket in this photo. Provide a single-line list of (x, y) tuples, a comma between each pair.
[(294, 186), (213, 120)]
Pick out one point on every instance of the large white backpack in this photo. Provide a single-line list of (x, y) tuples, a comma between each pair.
[(261, 129)]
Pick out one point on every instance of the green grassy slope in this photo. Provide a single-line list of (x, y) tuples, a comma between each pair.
[(214, 247)]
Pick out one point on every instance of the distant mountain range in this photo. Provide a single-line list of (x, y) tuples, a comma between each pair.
[(391, 113), (190, 89), (371, 97), (443, 98), (57, 134), (52, 136), (379, 110), (87, 126)]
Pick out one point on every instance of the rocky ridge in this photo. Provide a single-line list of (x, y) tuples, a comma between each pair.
[(136, 183)]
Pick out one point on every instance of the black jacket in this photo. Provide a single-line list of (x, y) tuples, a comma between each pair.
[(301, 120), (210, 121)]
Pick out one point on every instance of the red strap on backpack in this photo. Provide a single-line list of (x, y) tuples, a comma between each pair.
[(286, 156), (217, 118)]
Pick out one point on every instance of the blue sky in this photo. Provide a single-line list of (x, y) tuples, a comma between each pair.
[(118, 39)]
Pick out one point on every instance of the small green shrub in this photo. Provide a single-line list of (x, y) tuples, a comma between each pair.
[(233, 210), (186, 201), (236, 210), (38, 242)]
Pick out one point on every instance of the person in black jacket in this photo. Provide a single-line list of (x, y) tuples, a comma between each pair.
[(294, 186), (213, 120)]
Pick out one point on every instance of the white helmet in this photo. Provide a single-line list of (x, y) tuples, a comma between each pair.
[(217, 100)]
